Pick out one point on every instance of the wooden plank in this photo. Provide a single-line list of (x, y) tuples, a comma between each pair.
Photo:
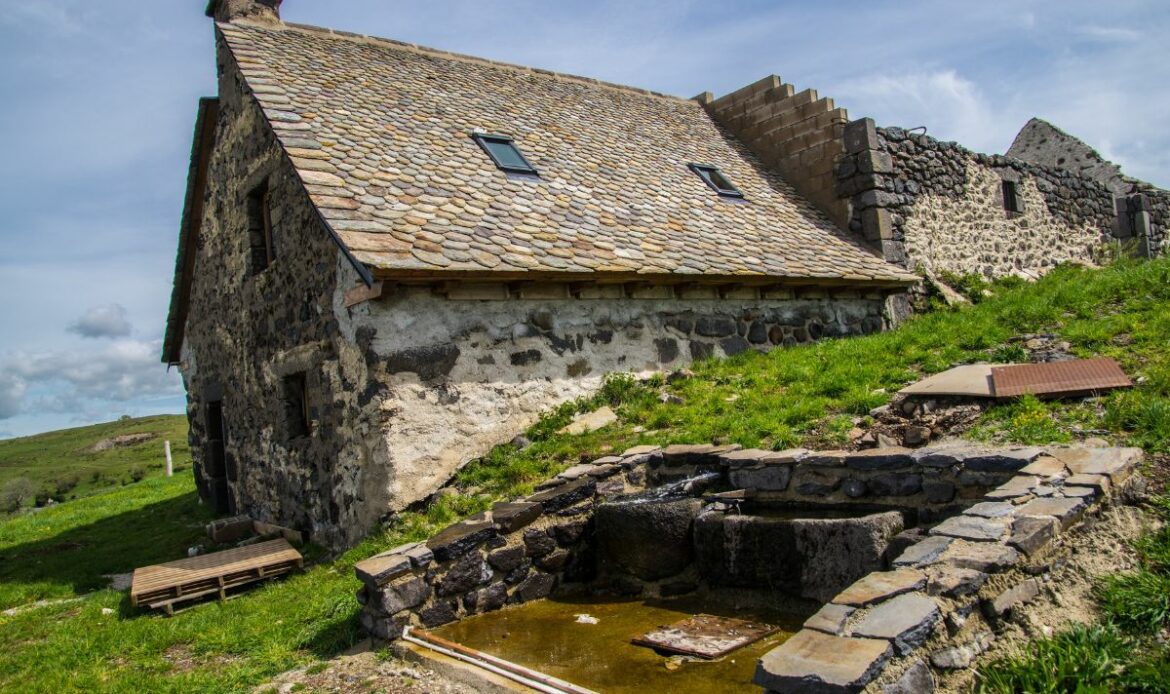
[(214, 572)]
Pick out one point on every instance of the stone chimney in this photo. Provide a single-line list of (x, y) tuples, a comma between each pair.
[(233, 10)]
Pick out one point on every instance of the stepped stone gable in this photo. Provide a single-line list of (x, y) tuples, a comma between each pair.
[(364, 302)]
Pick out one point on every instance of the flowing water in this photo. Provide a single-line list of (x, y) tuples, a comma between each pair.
[(546, 636)]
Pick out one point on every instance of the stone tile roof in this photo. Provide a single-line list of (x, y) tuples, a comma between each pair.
[(380, 134)]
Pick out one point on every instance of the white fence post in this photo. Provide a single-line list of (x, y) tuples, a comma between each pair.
[(170, 463)]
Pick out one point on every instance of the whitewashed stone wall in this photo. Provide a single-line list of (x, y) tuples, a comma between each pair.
[(973, 234)]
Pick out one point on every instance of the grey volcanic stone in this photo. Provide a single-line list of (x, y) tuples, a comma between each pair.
[(428, 362), (534, 587), (715, 326), (538, 542), (1024, 592), (907, 620), (1067, 511), (880, 459), (925, 552), (938, 491), (565, 495), (1033, 533), (512, 516), (569, 533), (988, 557), (554, 562), (879, 586), (404, 594), (895, 484), (835, 552), (649, 540), (991, 509), (442, 612), (815, 663), (470, 571), (486, 599), (771, 478), (817, 484), (972, 528), (830, 619), (1000, 461), (953, 581), (739, 550), (916, 680), (381, 568), (507, 558), (459, 539)]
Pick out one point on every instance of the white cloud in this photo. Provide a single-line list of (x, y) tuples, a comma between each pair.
[(85, 381), (12, 391), (1109, 34), (102, 321)]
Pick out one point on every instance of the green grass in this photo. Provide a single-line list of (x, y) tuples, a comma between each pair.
[(63, 465), (802, 396)]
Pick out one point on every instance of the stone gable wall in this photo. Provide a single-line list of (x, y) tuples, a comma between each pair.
[(245, 333)]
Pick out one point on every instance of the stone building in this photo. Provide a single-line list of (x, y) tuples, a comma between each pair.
[(392, 258)]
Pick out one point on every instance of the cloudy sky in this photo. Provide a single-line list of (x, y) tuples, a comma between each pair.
[(98, 106)]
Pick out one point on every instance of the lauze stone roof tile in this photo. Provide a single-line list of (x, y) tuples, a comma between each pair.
[(380, 134)]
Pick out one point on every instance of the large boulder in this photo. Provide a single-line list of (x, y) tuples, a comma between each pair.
[(647, 539)]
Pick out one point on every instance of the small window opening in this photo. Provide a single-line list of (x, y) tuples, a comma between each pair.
[(716, 180), (296, 406), (1011, 197), (260, 228), (504, 153)]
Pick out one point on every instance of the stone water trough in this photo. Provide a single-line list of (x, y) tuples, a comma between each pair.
[(888, 541)]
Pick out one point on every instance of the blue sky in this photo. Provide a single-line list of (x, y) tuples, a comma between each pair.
[(98, 105)]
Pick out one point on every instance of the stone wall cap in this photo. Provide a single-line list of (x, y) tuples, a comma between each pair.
[(880, 585), (812, 662)]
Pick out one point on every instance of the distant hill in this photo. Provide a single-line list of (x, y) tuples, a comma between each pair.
[(75, 462)]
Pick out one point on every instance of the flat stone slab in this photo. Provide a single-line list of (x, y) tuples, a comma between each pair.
[(1045, 466), (830, 619), (881, 459), (576, 472), (459, 539), (1030, 534), (1016, 486), (1000, 460), (790, 455), (512, 516), (565, 495), (972, 528), (953, 581), (1017, 595), (991, 509), (988, 557), (1099, 482), (747, 456), (693, 454), (381, 568), (1067, 511), (907, 620), (815, 663), (879, 586), (925, 552), (640, 450), (973, 380), (704, 636), (591, 421), (825, 458), (1117, 463)]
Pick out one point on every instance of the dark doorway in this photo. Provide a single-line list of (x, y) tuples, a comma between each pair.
[(213, 459)]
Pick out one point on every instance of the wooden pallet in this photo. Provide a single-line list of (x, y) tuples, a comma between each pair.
[(163, 585)]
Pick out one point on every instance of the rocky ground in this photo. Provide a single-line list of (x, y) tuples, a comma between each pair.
[(364, 671), (1100, 547)]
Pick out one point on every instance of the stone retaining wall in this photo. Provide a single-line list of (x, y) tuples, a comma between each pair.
[(941, 603), (525, 550)]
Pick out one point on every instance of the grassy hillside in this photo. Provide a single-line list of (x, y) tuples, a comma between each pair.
[(805, 395), (76, 462)]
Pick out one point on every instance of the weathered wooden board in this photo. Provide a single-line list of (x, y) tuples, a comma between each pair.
[(163, 585), (705, 636)]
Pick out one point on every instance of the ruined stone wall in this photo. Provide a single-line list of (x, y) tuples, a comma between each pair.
[(246, 333), (939, 206), (459, 376)]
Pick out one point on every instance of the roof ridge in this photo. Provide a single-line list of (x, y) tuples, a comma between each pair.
[(463, 57)]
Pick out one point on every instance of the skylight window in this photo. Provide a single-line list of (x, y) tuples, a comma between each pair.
[(503, 151), (716, 180)]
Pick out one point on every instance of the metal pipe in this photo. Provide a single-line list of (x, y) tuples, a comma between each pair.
[(517, 673)]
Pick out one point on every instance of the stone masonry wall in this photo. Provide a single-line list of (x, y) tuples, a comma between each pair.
[(551, 541), (455, 377), (246, 333), (799, 134), (938, 206)]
